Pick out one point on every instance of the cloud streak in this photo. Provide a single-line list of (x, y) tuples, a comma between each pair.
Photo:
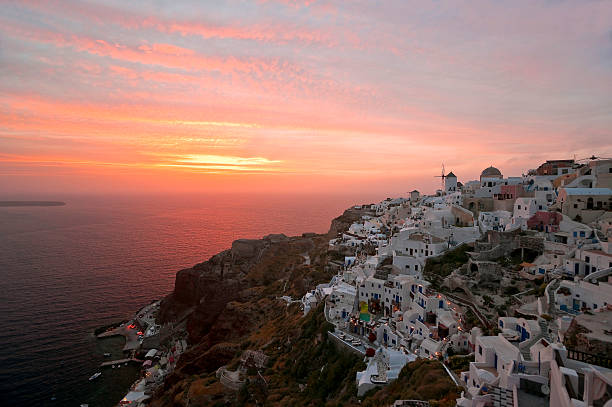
[(327, 94)]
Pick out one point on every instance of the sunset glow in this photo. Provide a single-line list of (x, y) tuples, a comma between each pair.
[(284, 95)]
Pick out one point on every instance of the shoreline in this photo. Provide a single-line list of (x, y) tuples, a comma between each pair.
[(17, 204), (162, 358), (143, 346), (108, 327)]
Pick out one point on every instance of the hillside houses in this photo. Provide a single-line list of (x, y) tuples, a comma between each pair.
[(380, 298)]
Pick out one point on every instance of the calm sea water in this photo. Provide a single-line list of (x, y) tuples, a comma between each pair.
[(65, 271)]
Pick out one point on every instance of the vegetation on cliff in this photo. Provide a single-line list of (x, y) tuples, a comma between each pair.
[(438, 268), (305, 368), (232, 303)]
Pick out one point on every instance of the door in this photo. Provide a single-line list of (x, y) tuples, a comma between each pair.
[(524, 334)]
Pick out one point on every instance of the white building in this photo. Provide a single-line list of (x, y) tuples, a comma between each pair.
[(496, 220), (450, 183), (382, 369), (495, 359), (342, 299), (573, 296), (525, 208), (524, 329)]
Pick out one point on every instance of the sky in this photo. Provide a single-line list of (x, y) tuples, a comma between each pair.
[(111, 96)]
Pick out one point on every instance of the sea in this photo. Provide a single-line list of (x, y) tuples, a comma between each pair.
[(67, 270)]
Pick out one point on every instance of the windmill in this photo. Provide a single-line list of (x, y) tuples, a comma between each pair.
[(442, 177)]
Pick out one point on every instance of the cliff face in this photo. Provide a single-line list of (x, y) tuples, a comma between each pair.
[(208, 293), (202, 292), (344, 221), (228, 301)]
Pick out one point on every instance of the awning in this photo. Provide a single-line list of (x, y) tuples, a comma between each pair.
[(151, 353)]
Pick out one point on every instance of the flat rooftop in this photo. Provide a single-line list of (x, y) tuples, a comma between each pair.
[(597, 323)]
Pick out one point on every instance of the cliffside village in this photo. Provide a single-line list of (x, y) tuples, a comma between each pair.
[(539, 268), (513, 275)]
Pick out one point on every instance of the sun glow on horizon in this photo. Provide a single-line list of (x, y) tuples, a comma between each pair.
[(276, 96)]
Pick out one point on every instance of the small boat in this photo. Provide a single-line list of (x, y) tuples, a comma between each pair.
[(95, 376), (107, 355)]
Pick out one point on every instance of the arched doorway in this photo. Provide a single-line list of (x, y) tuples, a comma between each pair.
[(590, 203)]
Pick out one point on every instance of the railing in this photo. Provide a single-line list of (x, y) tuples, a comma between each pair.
[(472, 306), (591, 358)]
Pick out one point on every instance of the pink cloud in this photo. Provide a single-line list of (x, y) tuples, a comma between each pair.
[(269, 32), (166, 55)]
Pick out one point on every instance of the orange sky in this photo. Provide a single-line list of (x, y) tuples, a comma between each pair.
[(285, 96)]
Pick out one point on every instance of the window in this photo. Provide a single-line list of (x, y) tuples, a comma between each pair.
[(479, 350), (587, 259), (519, 207)]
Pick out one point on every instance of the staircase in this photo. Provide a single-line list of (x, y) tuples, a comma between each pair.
[(526, 346), (551, 288)]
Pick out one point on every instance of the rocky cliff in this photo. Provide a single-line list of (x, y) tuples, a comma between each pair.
[(236, 291), (232, 302)]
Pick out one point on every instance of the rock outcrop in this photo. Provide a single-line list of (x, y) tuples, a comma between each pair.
[(226, 301)]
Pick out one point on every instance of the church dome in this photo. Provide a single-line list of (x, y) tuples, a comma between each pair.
[(491, 172)]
